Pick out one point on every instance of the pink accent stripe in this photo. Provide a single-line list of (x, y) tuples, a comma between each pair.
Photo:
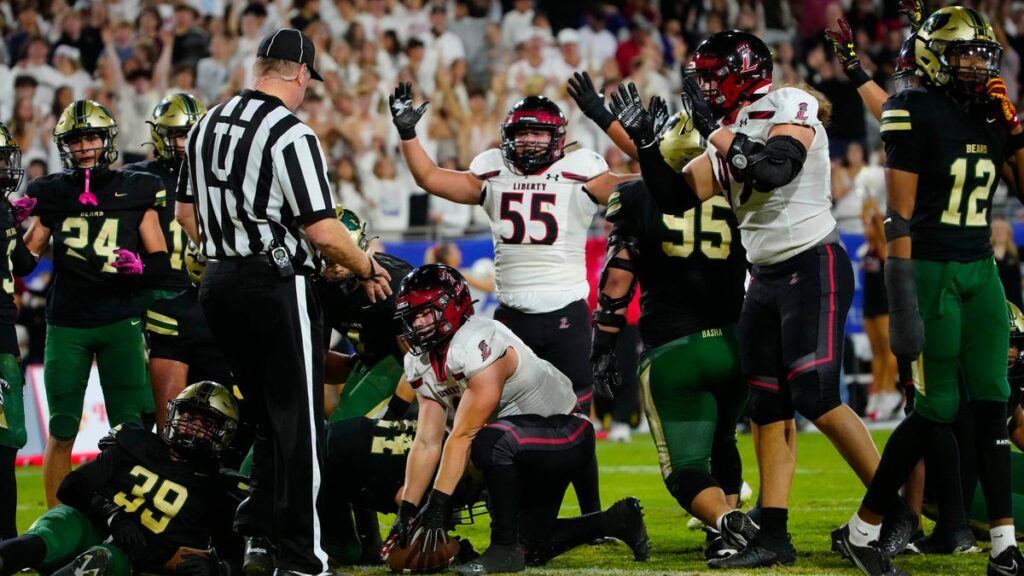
[(766, 385), (554, 441), (831, 316), (585, 397)]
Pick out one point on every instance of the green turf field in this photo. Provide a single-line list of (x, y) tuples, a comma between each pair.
[(825, 494)]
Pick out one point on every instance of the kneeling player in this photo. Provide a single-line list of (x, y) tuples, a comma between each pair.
[(147, 502), (515, 415)]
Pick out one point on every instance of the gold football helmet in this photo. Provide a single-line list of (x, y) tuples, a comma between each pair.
[(11, 171), (173, 116), (202, 420), (355, 226), (956, 48), (679, 142), (86, 117)]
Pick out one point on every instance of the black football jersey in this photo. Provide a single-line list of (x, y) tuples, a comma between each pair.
[(957, 153), (174, 234), (178, 331), (87, 291), (365, 463), (368, 325), (15, 260), (691, 267), (177, 502)]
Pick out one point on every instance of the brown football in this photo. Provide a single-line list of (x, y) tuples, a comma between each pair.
[(410, 560)]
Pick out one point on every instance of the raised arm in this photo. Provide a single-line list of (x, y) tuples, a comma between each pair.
[(1007, 114), (842, 44), (457, 186)]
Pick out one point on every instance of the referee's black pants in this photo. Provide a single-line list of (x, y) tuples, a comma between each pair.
[(271, 333)]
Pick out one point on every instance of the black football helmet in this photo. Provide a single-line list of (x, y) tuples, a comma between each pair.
[(905, 74), (202, 420), (731, 67), (11, 172), (533, 113), (441, 290)]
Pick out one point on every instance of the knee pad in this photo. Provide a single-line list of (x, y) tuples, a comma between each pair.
[(685, 485), (493, 447), (769, 407), (813, 396)]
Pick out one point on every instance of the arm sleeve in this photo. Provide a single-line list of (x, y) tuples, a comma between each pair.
[(300, 170), (184, 193), (902, 145), (22, 261), (668, 188)]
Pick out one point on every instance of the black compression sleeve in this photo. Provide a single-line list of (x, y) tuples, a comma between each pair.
[(667, 187), (22, 261), (156, 266)]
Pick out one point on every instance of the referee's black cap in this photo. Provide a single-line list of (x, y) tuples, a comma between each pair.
[(291, 45)]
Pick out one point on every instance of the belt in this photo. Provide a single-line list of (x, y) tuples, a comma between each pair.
[(255, 261)]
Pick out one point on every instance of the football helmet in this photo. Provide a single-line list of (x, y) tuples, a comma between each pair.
[(956, 48), (202, 420), (680, 142), (173, 116), (906, 69), (86, 117), (439, 291), (355, 226), (195, 263), (11, 172), (533, 113), (731, 67), (1016, 331)]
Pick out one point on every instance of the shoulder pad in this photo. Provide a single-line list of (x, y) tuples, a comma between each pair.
[(487, 164), (787, 105), (899, 110), (623, 198), (135, 440), (48, 190), (475, 346), (146, 188), (580, 165)]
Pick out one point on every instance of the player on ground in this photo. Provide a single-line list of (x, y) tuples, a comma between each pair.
[(374, 373), (945, 144), (515, 416), (541, 201), (101, 220), (770, 159), (168, 126), (17, 261), (691, 275), (148, 503)]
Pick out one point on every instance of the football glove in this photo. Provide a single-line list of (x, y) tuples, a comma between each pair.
[(581, 89), (400, 529), (629, 110), (914, 11), (403, 114), (604, 363), (698, 109), (22, 208), (127, 262), (1006, 112), (659, 112), (428, 528)]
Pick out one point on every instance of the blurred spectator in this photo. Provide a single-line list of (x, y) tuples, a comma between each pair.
[(1007, 260), (829, 79), (446, 46), (472, 30), (214, 72), (639, 37), (75, 32), (33, 63), (348, 191), (191, 43), (67, 61), (393, 193), (533, 74), (597, 44), (514, 21), (853, 182)]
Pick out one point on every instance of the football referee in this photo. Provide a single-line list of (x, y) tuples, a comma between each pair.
[(255, 199)]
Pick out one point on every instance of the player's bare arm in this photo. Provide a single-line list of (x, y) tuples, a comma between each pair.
[(185, 214), (426, 449), (37, 237), (581, 89), (152, 236), (601, 187), (458, 186)]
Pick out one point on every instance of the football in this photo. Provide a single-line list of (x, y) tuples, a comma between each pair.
[(410, 560)]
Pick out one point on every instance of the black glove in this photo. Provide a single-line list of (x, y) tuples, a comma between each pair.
[(906, 329), (914, 11), (400, 529), (605, 365), (403, 114), (698, 109), (659, 112), (429, 526), (846, 51), (396, 408), (128, 534), (196, 565), (581, 89), (629, 110)]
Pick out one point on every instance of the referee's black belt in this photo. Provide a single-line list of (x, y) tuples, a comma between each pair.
[(249, 263)]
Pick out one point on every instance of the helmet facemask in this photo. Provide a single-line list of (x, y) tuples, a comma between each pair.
[(533, 155), (11, 172), (168, 152), (971, 66), (196, 429), (106, 152), (424, 326)]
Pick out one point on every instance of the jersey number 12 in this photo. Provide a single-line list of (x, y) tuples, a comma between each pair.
[(975, 212)]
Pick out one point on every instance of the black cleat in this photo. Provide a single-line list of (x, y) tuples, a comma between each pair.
[(948, 541), (837, 542), (759, 553), (259, 557), (1009, 563), (738, 529), (869, 559), (715, 546), (625, 521), (93, 562), (913, 547), (498, 559), (897, 528)]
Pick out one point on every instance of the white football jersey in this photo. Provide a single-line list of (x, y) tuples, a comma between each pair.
[(536, 387), (539, 225), (777, 225)]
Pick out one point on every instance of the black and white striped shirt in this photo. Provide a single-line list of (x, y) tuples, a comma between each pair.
[(254, 171)]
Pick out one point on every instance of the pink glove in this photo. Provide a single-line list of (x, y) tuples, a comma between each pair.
[(127, 262), (23, 208)]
